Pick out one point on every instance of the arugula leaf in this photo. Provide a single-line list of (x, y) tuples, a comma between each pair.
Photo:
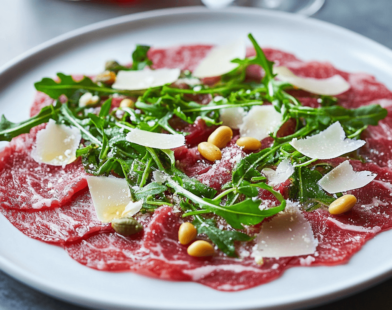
[(224, 239), (153, 188), (140, 58), (9, 130), (68, 86), (193, 185), (68, 116), (105, 108), (246, 212), (307, 191)]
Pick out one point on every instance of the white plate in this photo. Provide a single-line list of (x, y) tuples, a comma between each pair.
[(50, 270)]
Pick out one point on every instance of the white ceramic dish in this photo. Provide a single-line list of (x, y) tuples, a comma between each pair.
[(49, 269)]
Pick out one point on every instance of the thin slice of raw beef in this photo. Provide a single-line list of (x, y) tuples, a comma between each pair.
[(28, 185), (70, 222)]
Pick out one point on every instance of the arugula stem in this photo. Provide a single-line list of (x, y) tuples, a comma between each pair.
[(146, 172), (70, 117), (223, 106), (201, 202), (301, 188), (156, 158), (305, 163), (223, 194), (159, 203)]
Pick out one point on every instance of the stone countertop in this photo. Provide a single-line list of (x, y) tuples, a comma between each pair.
[(27, 23)]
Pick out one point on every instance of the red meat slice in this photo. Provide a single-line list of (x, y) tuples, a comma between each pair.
[(41, 100), (27, 185), (221, 170), (156, 252), (384, 128), (184, 57), (378, 151), (70, 222)]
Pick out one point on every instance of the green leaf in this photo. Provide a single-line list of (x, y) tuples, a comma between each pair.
[(73, 121), (246, 212), (307, 191), (193, 185), (105, 108), (68, 86), (139, 57), (261, 60), (170, 155), (223, 239), (153, 188), (9, 130)]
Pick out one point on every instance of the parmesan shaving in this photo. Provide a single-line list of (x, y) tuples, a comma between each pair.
[(218, 60), (132, 208), (137, 80), (327, 144), (88, 99), (155, 140), (56, 145), (159, 176), (343, 178), (275, 177), (332, 86), (286, 234), (260, 121), (110, 197), (232, 117)]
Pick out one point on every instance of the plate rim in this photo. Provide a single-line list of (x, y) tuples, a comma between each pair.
[(45, 287)]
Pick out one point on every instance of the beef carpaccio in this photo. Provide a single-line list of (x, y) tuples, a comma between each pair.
[(53, 203)]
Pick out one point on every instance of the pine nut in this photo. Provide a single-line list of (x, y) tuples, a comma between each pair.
[(107, 77), (186, 233), (221, 136), (342, 204), (209, 151), (201, 248), (127, 103), (249, 143)]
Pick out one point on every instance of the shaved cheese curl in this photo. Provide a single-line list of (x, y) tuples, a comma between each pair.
[(330, 143), (260, 122), (155, 140), (331, 86), (138, 80), (132, 208), (56, 145), (284, 170), (218, 60), (343, 178), (110, 196), (287, 234), (232, 117)]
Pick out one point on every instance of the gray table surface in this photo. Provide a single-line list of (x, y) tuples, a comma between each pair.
[(27, 23)]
